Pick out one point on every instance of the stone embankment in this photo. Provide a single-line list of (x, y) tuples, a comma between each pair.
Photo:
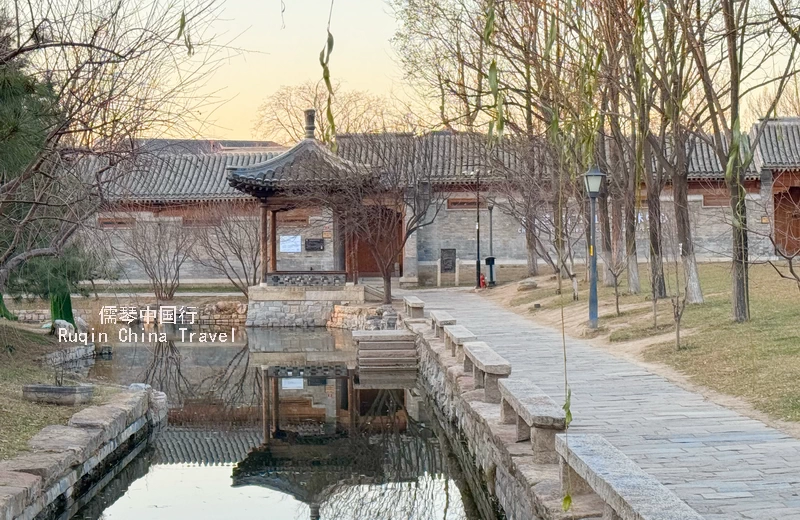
[(69, 355), (67, 465), (362, 317), (516, 437)]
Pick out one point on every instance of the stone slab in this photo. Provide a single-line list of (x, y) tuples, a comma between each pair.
[(413, 301), (12, 501), (535, 407), (110, 420), (486, 359), (17, 489), (384, 335), (442, 318), (459, 334), (58, 438), (133, 403), (630, 491), (48, 466)]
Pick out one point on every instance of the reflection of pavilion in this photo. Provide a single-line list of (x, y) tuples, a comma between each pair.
[(383, 446)]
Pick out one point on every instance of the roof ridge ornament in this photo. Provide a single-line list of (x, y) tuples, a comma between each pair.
[(310, 126)]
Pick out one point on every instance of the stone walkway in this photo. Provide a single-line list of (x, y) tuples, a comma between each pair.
[(723, 464)]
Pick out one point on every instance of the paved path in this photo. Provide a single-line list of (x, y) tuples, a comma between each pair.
[(723, 464)]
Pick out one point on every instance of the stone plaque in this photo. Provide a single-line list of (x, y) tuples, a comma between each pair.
[(448, 260), (315, 244)]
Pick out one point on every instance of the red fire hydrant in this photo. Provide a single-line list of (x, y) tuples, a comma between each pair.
[(483, 281)]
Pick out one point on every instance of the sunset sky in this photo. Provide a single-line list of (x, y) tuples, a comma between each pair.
[(362, 58)]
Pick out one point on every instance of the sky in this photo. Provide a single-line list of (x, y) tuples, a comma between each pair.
[(286, 52)]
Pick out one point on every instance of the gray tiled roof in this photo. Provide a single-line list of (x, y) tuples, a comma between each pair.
[(449, 156), (195, 146), (779, 146), (452, 157), (703, 163), (170, 178), (306, 161)]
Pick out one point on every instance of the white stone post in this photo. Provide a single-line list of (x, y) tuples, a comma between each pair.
[(458, 273), (439, 272)]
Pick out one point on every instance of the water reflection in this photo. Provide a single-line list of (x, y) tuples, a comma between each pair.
[(335, 446)]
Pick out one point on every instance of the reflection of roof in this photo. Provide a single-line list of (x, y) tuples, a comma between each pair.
[(309, 472), (200, 177), (189, 446)]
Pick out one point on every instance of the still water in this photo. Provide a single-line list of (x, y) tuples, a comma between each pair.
[(339, 446)]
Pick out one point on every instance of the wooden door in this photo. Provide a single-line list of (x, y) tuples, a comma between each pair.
[(787, 221)]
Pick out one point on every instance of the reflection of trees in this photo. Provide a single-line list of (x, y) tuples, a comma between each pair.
[(164, 373), (229, 385), (224, 398), (413, 482)]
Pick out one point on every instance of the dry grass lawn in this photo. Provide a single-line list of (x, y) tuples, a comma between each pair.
[(20, 348), (758, 361)]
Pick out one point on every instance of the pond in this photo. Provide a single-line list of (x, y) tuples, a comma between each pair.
[(337, 446)]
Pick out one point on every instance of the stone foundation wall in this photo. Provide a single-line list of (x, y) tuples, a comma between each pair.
[(223, 313), (68, 463), (301, 306), (357, 317), (42, 315), (68, 355), (288, 313), (304, 279)]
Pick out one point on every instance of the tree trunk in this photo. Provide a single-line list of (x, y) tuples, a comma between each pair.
[(656, 260), (387, 286), (4, 312), (608, 250), (741, 282), (530, 244), (634, 286), (61, 307), (558, 236), (680, 190)]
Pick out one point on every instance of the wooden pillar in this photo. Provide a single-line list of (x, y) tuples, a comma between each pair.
[(273, 241), (351, 400), (339, 244), (276, 417), (265, 415), (264, 223)]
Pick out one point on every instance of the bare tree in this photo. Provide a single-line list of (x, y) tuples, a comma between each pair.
[(750, 41), (92, 65), (160, 247), (226, 241), (280, 117)]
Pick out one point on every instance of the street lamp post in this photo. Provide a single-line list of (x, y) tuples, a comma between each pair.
[(490, 207), (593, 182), (478, 229)]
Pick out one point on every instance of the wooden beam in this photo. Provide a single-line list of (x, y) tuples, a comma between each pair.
[(263, 222), (273, 241)]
